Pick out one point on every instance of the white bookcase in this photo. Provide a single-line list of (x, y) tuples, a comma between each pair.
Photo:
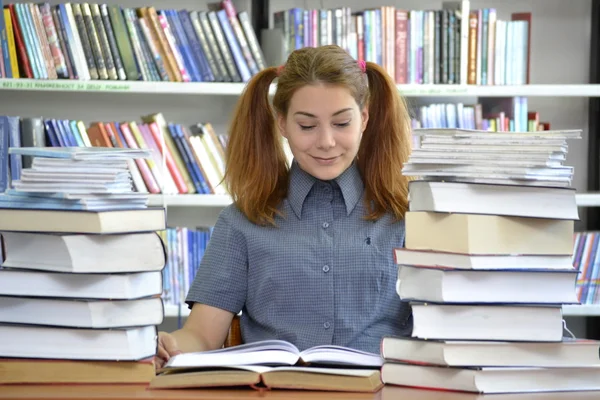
[(560, 44)]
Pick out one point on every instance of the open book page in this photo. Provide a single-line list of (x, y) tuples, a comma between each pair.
[(338, 355), (275, 353)]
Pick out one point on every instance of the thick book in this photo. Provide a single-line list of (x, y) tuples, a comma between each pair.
[(488, 234), (28, 341), (274, 364), (459, 353), (261, 377), (57, 371), (504, 322), (91, 222), (76, 313), (492, 380), (443, 285), (123, 286), (519, 201), (428, 258)]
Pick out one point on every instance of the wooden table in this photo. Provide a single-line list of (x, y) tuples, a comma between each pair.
[(130, 392)]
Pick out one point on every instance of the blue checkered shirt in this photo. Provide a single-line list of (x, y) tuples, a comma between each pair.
[(323, 275)]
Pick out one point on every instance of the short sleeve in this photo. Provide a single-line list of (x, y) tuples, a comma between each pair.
[(221, 280)]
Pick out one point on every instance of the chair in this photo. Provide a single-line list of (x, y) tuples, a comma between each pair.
[(234, 337)]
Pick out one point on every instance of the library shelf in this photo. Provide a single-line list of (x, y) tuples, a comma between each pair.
[(211, 200), (571, 310), (235, 89)]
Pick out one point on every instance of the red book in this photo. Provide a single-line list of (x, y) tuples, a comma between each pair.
[(171, 166)]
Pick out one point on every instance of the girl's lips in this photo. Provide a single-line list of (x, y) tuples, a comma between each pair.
[(325, 161)]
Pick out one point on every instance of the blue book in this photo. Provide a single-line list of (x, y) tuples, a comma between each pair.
[(62, 135), (67, 131), (14, 140), (234, 46), (50, 134), (196, 48), (183, 45), (76, 133), (185, 144), (28, 39), (186, 159), (4, 143)]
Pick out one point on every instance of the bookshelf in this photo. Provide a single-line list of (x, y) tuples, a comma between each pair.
[(559, 28), (235, 89)]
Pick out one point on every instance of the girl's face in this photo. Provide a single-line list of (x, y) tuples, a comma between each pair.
[(324, 126)]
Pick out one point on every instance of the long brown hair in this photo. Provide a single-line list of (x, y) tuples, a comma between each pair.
[(256, 171)]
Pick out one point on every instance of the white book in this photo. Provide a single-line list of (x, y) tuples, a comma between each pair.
[(92, 314), (442, 285)]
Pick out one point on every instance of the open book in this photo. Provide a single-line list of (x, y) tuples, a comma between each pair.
[(274, 364)]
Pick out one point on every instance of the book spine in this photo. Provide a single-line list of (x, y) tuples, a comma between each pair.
[(29, 41), (253, 40), (4, 161), (166, 27), (222, 43), (85, 42), (125, 48), (4, 47), (171, 165), (137, 48), (64, 46), (23, 58), (12, 48), (91, 32), (212, 44), (102, 36), (144, 169), (239, 34), (171, 62), (196, 50), (42, 41), (109, 43), (146, 53), (158, 60), (16, 160), (182, 43), (235, 48), (53, 41), (84, 70), (210, 58)]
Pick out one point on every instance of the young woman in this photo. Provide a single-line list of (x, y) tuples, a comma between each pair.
[(306, 252)]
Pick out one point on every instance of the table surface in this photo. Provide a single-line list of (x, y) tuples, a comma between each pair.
[(128, 392)]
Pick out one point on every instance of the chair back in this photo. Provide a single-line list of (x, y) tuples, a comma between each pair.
[(234, 337)]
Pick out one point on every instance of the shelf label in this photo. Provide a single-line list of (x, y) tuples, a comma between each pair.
[(67, 85)]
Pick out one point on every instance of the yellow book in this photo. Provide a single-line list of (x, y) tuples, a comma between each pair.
[(83, 133), (12, 49)]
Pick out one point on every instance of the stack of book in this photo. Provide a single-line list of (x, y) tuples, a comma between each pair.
[(81, 279), (487, 267)]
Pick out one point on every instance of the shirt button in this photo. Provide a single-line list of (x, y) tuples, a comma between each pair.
[(325, 225), (326, 325), (326, 268)]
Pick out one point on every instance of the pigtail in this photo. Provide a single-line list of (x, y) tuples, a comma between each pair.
[(385, 146), (256, 169)]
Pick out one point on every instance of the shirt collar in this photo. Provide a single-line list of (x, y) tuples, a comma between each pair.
[(301, 182)]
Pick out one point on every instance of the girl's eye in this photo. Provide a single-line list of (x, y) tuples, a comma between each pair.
[(306, 127), (343, 124)]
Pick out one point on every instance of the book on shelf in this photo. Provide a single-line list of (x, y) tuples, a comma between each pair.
[(485, 272), (182, 159), (497, 114), (274, 364), (74, 286), (91, 41), (456, 44)]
